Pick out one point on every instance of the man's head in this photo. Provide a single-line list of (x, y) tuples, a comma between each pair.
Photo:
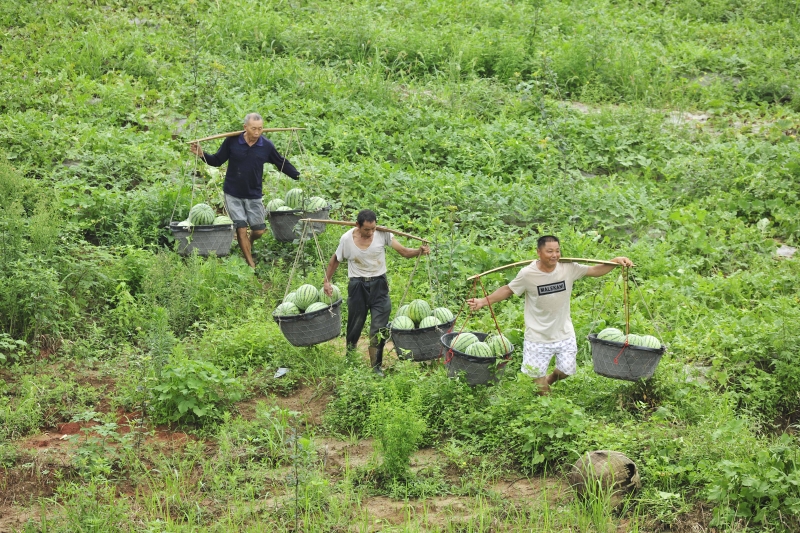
[(253, 125), (366, 221), (548, 248)]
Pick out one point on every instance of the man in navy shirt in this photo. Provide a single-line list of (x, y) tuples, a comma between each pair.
[(246, 155)]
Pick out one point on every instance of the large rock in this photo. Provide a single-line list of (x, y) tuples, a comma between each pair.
[(606, 470)]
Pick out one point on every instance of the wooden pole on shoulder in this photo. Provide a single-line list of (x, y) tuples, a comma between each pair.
[(529, 261), (235, 133), (352, 224)]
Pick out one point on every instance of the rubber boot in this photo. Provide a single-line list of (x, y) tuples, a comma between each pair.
[(376, 359)]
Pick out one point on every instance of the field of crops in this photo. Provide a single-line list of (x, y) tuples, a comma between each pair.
[(138, 389)]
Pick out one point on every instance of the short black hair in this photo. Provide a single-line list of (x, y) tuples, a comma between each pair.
[(366, 215), (545, 239)]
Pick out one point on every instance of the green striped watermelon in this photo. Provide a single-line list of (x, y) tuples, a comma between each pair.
[(202, 215), (284, 208), (499, 344), (443, 314), (222, 220), (429, 321), (634, 340), (478, 349), (463, 340), (274, 204), (418, 309), (402, 322), (649, 341), (403, 311), (315, 203), (294, 198), (286, 309), (316, 306), (332, 298), (291, 297), (306, 295)]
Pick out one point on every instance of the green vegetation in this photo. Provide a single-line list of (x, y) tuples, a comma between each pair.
[(664, 131)]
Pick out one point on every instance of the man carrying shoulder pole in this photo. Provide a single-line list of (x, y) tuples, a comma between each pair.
[(367, 291), (246, 155), (547, 285)]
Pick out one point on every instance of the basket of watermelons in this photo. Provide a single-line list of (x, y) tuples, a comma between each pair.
[(417, 330), (285, 213), (308, 317), (203, 232), (630, 357), (480, 358)]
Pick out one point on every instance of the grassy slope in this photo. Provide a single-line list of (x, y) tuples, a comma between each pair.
[(450, 119)]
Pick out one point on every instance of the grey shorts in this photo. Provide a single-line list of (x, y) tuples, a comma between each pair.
[(246, 212)]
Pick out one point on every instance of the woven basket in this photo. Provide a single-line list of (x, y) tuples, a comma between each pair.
[(308, 329), (476, 370), (284, 224), (615, 360), (421, 344), (204, 240)]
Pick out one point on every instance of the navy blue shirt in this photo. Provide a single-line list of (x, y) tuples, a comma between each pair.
[(246, 165)]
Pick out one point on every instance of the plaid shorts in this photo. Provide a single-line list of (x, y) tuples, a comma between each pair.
[(536, 357)]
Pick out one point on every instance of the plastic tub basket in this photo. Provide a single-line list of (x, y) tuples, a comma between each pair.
[(615, 360), (203, 239), (477, 370), (421, 344), (284, 224), (308, 329)]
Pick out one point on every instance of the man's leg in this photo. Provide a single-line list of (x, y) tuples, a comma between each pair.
[(380, 307), (356, 312), (255, 235), (535, 360), (566, 360), (246, 245)]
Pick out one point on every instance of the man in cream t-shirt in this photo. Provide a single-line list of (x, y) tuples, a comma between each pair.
[(547, 286), (367, 291)]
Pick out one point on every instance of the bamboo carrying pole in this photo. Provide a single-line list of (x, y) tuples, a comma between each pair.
[(352, 224), (235, 133), (529, 261)]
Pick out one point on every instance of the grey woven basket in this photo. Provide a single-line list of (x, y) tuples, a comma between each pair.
[(615, 360), (421, 344), (203, 239), (284, 224), (308, 329), (476, 370)]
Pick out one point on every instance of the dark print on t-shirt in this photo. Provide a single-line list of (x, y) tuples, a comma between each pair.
[(544, 290)]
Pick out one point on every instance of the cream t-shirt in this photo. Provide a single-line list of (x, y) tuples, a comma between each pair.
[(364, 263), (547, 296)]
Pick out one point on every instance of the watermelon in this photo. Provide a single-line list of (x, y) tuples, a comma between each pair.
[(634, 340), (402, 322), (315, 203), (294, 198), (284, 208), (291, 297), (403, 311), (499, 344), (202, 215), (429, 321), (222, 220), (463, 340), (418, 309), (274, 204), (612, 335), (332, 298), (649, 341), (316, 306), (443, 314), (185, 224), (306, 295), (286, 309), (478, 349)]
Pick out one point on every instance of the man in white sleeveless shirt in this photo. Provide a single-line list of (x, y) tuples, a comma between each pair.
[(367, 291), (547, 286)]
